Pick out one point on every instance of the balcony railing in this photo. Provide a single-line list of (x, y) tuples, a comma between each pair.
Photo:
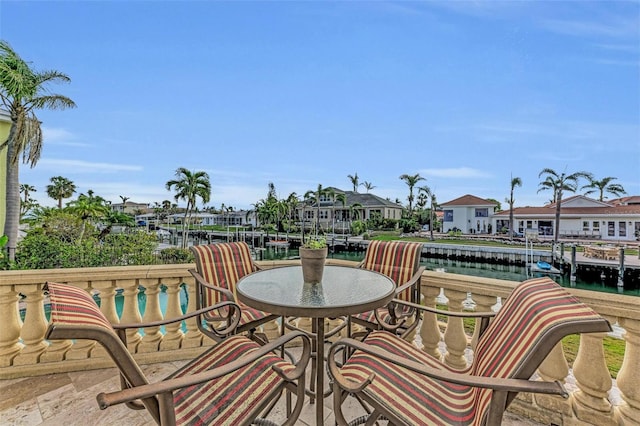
[(25, 352)]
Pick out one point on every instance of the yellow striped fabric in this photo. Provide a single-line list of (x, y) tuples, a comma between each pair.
[(533, 310), (228, 400), (74, 306), (398, 260)]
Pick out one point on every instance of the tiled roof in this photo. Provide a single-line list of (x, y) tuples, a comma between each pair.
[(368, 200), (469, 200), (568, 211)]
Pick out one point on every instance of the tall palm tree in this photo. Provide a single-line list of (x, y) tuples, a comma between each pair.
[(26, 189), (22, 91), (335, 197), (60, 188), (27, 202), (411, 181), (314, 197), (291, 203), (602, 186), (189, 186), (355, 181), (432, 213), (368, 186), (430, 197), (559, 183), (515, 181)]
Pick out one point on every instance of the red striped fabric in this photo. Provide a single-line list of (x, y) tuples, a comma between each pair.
[(228, 400), (398, 260), (222, 265), (415, 398), (534, 308), (74, 306)]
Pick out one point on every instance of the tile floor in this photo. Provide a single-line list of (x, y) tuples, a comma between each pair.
[(69, 399)]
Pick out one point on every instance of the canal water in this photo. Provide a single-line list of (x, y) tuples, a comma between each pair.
[(488, 270)]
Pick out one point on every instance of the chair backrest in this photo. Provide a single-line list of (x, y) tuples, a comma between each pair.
[(222, 265), (398, 260), (532, 320), (75, 315)]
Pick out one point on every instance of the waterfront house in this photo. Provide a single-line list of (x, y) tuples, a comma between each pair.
[(580, 217), (469, 214), (358, 206)]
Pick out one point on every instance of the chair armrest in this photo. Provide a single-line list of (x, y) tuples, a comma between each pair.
[(445, 313), (228, 295), (414, 279), (507, 385), (145, 391), (234, 315)]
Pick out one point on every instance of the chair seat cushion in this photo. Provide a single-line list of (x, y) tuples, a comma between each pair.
[(232, 399), (412, 397), (250, 314)]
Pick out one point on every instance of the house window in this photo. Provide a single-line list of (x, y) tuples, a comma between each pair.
[(448, 216), (324, 214), (611, 229), (596, 225), (622, 229), (482, 212), (585, 225)]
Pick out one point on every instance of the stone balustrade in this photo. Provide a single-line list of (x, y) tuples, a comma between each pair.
[(25, 352)]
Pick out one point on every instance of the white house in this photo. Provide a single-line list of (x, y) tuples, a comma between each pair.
[(469, 214), (580, 217)]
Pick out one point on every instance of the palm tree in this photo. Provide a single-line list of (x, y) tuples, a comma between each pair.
[(355, 181), (26, 189), (27, 202), (411, 181), (429, 196), (602, 186), (432, 218), (368, 186), (314, 197), (60, 188), (515, 181), (559, 183), (291, 203), (336, 197), (89, 208), (190, 186), (22, 91)]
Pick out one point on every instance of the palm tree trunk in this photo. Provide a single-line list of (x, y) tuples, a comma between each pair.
[(556, 232), (12, 207)]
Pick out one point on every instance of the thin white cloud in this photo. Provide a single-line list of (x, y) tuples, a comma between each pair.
[(633, 48), (455, 173), (614, 27), (60, 136), (79, 166), (629, 63)]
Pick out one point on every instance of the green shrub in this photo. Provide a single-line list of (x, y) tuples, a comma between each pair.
[(176, 255)]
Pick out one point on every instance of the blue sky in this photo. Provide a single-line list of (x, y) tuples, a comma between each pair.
[(301, 93)]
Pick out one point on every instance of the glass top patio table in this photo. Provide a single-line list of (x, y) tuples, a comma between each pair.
[(343, 291)]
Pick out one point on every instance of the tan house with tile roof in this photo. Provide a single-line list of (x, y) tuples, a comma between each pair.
[(470, 214), (580, 217)]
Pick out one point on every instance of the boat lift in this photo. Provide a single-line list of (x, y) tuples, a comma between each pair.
[(536, 268)]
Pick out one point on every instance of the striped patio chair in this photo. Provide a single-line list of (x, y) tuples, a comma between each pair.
[(400, 261), (219, 267), (232, 383), (407, 386)]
